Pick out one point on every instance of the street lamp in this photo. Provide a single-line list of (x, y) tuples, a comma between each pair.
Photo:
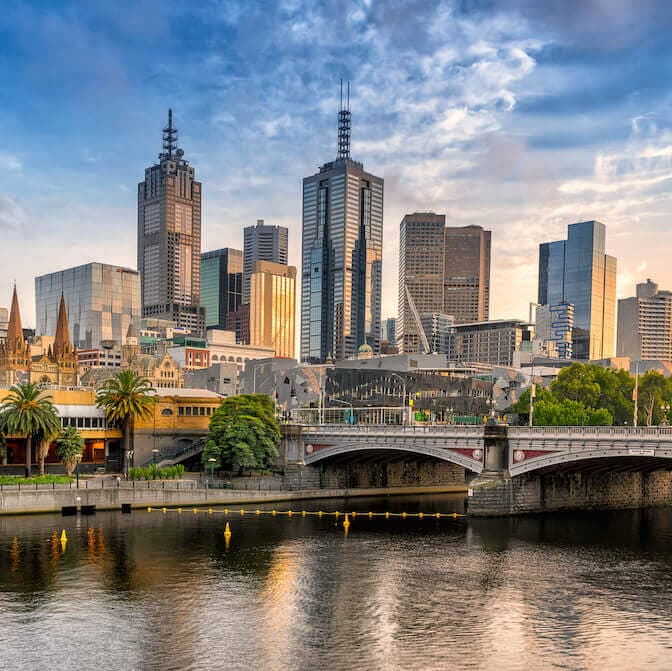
[(665, 407), (155, 452), (212, 463)]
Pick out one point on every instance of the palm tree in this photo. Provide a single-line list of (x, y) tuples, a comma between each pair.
[(125, 397), (29, 412)]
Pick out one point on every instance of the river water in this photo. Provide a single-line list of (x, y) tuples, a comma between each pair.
[(165, 591)]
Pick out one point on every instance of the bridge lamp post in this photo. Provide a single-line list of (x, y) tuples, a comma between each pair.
[(352, 409), (212, 461)]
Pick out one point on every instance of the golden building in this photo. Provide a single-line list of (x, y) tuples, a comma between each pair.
[(273, 307), (42, 362)]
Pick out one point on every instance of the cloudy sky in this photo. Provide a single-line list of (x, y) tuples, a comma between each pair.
[(517, 115)]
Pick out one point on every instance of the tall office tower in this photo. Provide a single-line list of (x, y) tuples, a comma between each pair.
[(645, 324), (342, 251), (262, 243), (553, 326), (466, 275), (388, 331), (577, 271), (169, 238), (446, 270), (101, 302), (221, 285), (273, 307)]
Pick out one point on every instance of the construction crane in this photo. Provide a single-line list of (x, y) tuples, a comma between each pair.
[(416, 317)]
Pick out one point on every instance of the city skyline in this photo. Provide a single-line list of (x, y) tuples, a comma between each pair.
[(484, 112)]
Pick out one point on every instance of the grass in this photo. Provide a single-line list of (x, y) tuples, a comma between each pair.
[(40, 480)]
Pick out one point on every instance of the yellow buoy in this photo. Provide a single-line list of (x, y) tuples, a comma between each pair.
[(337, 514), (209, 511), (163, 510), (421, 515), (179, 510), (346, 522), (64, 538), (289, 513), (257, 512), (274, 512), (149, 509), (454, 516), (387, 516), (354, 514), (320, 513), (303, 513), (227, 531), (403, 515), (370, 514), (195, 510), (226, 511), (438, 515)]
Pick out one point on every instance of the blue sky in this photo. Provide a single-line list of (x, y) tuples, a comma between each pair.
[(517, 115)]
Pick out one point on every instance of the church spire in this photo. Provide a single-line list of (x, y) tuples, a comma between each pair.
[(15, 341), (62, 344)]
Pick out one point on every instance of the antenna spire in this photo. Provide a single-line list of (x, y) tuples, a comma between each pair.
[(344, 125), (169, 137)]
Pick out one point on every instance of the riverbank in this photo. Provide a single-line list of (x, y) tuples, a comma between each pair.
[(53, 500)]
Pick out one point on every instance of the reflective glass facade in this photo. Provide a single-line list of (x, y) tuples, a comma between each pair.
[(221, 285), (578, 272), (342, 248), (101, 301), (262, 243)]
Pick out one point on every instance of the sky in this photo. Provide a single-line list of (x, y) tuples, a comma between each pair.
[(516, 115)]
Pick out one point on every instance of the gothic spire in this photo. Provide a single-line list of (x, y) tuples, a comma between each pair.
[(15, 341), (62, 344)]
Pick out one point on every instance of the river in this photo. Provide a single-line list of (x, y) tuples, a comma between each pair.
[(155, 590)]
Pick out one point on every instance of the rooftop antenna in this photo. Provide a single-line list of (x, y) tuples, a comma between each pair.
[(169, 137), (344, 125)]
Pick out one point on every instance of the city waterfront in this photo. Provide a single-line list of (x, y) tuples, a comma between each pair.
[(155, 590)]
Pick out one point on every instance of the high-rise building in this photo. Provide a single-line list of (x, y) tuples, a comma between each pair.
[(438, 330), (221, 285), (554, 324), (101, 300), (273, 307), (169, 238), (262, 243), (490, 342), (577, 271), (645, 324), (446, 270), (342, 251), (388, 331)]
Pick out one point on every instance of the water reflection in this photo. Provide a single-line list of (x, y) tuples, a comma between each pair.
[(161, 591)]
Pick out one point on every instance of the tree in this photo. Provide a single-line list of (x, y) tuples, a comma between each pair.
[(654, 390), (69, 448), (552, 412), (28, 411), (126, 397), (243, 433), (43, 441), (597, 387)]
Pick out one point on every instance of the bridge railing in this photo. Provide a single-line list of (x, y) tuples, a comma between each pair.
[(413, 429), (623, 431)]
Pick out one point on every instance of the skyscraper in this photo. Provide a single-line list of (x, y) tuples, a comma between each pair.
[(342, 250), (273, 307), (645, 324), (577, 271), (446, 271), (262, 243), (221, 285), (169, 238), (101, 300)]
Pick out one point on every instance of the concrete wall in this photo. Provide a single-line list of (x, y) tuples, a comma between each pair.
[(410, 473), (542, 493)]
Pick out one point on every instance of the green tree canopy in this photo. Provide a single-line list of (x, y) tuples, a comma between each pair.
[(29, 411), (655, 392), (69, 448), (126, 397), (243, 433)]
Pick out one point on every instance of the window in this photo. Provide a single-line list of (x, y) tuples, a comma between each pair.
[(180, 412), (168, 411), (188, 411), (202, 412)]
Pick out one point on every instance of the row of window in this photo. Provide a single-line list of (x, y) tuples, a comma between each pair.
[(194, 411)]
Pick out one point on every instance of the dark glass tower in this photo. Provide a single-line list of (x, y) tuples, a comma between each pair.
[(169, 238), (576, 271), (342, 250), (221, 285)]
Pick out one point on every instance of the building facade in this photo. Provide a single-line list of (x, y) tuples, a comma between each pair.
[(221, 285), (577, 271), (169, 238), (342, 250), (554, 326), (273, 307), (101, 301), (262, 243), (645, 324), (444, 270), (491, 342)]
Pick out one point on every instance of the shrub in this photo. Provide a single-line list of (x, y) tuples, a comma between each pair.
[(179, 470)]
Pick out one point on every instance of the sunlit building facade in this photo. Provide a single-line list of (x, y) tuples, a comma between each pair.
[(262, 242), (577, 271), (273, 307), (169, 238)]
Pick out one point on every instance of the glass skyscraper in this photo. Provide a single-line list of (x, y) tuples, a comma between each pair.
[(221, 285), (262, 243), (577, 271), (101, 301), (169, 238), (342, 251)]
